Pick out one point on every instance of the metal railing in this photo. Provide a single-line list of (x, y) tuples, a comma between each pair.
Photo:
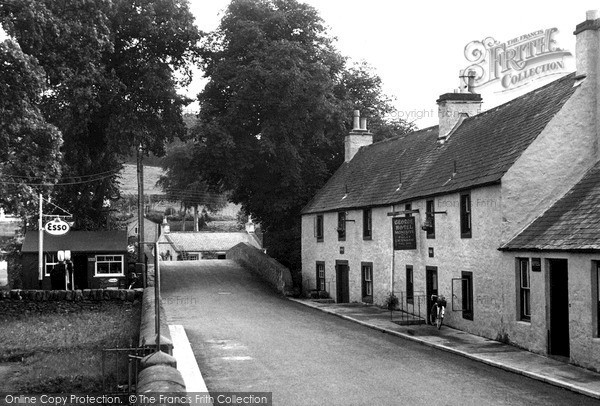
[(120, 368), (412, 309)]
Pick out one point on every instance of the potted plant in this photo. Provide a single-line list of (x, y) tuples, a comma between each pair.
[(391, 302)]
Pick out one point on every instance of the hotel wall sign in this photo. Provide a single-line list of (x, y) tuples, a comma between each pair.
[(405, 237), (57, 227)]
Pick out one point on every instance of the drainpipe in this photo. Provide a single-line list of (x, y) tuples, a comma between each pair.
[(393, 254)]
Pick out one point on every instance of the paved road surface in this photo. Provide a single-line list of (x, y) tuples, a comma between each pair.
[(247, 338)]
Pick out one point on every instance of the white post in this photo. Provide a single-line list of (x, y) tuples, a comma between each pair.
[(40, 246)]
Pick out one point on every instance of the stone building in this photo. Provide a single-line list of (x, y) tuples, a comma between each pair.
[(494, 210)]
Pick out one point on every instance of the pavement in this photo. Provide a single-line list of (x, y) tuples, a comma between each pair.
[(477, 348)]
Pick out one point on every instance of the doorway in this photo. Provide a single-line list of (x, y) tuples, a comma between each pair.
[(558, 333), (342, 282), (431, 286), (80, 271)]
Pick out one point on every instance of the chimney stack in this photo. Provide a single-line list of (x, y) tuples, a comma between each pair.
[(587, 54), (455, 107), (358, 137), (587, 45)]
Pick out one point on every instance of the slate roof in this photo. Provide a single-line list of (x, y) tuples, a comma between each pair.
[(203, 241), (78, 241), (571, 224), (478, 153)]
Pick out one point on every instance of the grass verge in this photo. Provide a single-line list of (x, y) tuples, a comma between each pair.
[(62, 352)]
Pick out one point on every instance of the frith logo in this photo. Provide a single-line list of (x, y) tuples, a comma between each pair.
[(517, 62)]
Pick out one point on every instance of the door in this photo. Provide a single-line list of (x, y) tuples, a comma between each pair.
[(431, 286), (80, 271), (558, 335), (342, 282)]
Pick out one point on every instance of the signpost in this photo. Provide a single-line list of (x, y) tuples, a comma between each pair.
[(404, 232), (57, 227)]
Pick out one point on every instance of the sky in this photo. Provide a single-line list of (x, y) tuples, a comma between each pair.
[(417, 47)]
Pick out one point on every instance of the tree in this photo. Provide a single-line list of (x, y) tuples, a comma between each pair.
[(111, 71), (29, 146), (182, 183), (275, 111)]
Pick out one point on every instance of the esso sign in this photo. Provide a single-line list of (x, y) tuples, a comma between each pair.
[(57, 227)]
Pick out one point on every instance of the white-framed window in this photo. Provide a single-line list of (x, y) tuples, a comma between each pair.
[(321, 285), (50, 261), (367, 281), (109, 265), (524, 289)]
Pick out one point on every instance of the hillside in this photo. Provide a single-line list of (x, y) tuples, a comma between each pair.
[(129, 184)]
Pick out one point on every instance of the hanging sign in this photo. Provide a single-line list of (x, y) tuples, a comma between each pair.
[(405, 237), (57, 227)]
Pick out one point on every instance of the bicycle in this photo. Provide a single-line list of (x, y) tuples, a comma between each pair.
[(436, 316)]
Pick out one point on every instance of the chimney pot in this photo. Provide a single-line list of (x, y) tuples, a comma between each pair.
[(363, 124), (471, 81), (356, 122)]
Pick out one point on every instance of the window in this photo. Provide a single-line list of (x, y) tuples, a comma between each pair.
[(367, 224), (430, 218), (367, 282), (109, 265), (524, 289), (596, 297), (319, 227), (467, 295), (465, 216), (341, 226), (408, 207), (51, 261), (410, 292), (321, 276)]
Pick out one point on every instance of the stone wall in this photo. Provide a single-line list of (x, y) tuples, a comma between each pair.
[(266, 267), (42, 301)]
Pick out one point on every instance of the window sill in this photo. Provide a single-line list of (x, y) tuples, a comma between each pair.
[(319, 240), (465, 235), (524, 322), (367, 238), (110, 275)]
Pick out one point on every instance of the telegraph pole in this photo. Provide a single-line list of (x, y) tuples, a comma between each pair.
[(140, 173)]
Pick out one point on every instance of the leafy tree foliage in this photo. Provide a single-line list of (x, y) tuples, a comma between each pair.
[(275, 112), (111, 71), (29, 146), (183, 184)]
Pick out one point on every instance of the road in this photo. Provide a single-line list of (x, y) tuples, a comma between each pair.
[(246, 337)]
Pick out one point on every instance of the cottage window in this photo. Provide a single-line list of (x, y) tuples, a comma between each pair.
[(321, 276), (341, 226), (430, 219), (596, 298), (524, 289), (367, 224), (319, 227), (51, 261), (465, 215), (109, 265), (410, 293), (467, 295), (408, 208), (367, 282)]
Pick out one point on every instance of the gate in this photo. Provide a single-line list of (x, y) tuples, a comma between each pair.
[(120, 368)]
